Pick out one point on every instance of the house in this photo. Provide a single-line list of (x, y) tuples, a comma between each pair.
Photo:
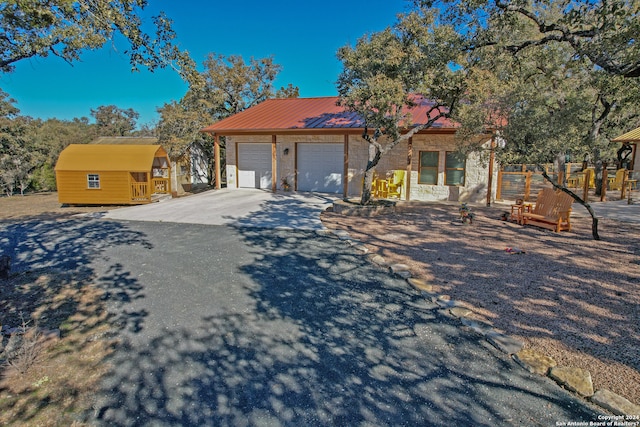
[(628, 153), (313, 144), (112, 174), (188, 170)]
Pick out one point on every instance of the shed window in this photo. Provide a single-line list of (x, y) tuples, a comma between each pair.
[(454, 169), (428, 173), (93, 181)]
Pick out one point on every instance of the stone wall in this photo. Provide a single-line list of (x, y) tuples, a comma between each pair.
[(476, 174)]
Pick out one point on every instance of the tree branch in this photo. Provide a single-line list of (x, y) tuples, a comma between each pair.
[(594, 219)]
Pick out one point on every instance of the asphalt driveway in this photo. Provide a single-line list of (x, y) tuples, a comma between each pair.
[(238, 207), (245, 326)]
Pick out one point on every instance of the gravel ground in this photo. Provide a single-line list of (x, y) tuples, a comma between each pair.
[(567, 296)]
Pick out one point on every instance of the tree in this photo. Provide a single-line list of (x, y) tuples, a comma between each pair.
[(231, 85), (49, 138), (17, 160), (544, 100), (66, 28), (386, 72), (114, 121), (604, 32), (228, 86)]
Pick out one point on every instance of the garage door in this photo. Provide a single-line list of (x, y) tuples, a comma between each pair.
[(320, 167), (254, 165)]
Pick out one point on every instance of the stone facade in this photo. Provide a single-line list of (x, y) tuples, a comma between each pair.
[(476, 171)]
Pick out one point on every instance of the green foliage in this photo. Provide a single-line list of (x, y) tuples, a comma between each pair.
[(114, 121), (228, 86), (233, 85), (30, 148), (66, 28), (383, 73), (44, 178), (534, 79), (604, 32)]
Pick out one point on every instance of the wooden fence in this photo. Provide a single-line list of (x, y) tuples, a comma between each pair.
[(524, 181)]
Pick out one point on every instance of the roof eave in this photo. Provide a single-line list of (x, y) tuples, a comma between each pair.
[(318, 131)]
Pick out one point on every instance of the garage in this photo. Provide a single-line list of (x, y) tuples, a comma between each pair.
[(320, 167), (254, 165)]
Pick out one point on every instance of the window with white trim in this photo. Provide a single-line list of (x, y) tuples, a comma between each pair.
[(93, 180)]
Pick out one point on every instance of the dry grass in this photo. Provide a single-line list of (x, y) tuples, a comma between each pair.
[(568, 296), (57, 389), (40, 205), (59, 384)]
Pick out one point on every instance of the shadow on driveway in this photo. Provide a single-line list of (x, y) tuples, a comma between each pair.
[(291, 328)]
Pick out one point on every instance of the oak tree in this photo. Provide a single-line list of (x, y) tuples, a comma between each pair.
[(384, 74), (227, 86), (65, 29)]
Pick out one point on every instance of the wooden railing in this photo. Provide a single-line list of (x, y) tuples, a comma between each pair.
[(140, 191), (161, 185)]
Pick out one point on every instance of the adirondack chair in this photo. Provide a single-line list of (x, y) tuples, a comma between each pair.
[(616, 183), (396, 183), (552, 210)]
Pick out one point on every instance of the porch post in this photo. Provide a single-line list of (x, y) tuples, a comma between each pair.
[(216, 154), (407, 194), (150, 189), (345, 169), (492, 158), (274, 164)]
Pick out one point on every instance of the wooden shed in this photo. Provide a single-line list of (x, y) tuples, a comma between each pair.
[(112, 174)]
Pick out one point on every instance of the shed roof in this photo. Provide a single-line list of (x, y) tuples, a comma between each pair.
[(308, 114), (90, 157), (632, 136)]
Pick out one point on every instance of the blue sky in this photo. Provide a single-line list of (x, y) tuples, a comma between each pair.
[(302, 37)]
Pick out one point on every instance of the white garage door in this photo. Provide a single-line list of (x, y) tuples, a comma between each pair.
[(254, 165), (320, 167)]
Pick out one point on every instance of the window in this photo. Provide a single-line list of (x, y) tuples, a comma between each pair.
[(428, 173), (454, 168), (93, 181)]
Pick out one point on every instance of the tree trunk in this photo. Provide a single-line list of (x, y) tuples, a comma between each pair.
[(598, 178), (594, 219), (372, 162), (560, 167)]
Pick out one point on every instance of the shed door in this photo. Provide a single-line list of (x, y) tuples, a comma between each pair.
[(320, 167), (254, 165)]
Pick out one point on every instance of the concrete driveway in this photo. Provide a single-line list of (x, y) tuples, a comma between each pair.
[(239, 207)]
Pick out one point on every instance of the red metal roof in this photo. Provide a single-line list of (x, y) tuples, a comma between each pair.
[(305, 114)]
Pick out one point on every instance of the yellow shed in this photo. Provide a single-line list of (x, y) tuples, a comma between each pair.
[(112, 174)]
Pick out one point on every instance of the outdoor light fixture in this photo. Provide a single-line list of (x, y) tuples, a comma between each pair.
[(286, 151)]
